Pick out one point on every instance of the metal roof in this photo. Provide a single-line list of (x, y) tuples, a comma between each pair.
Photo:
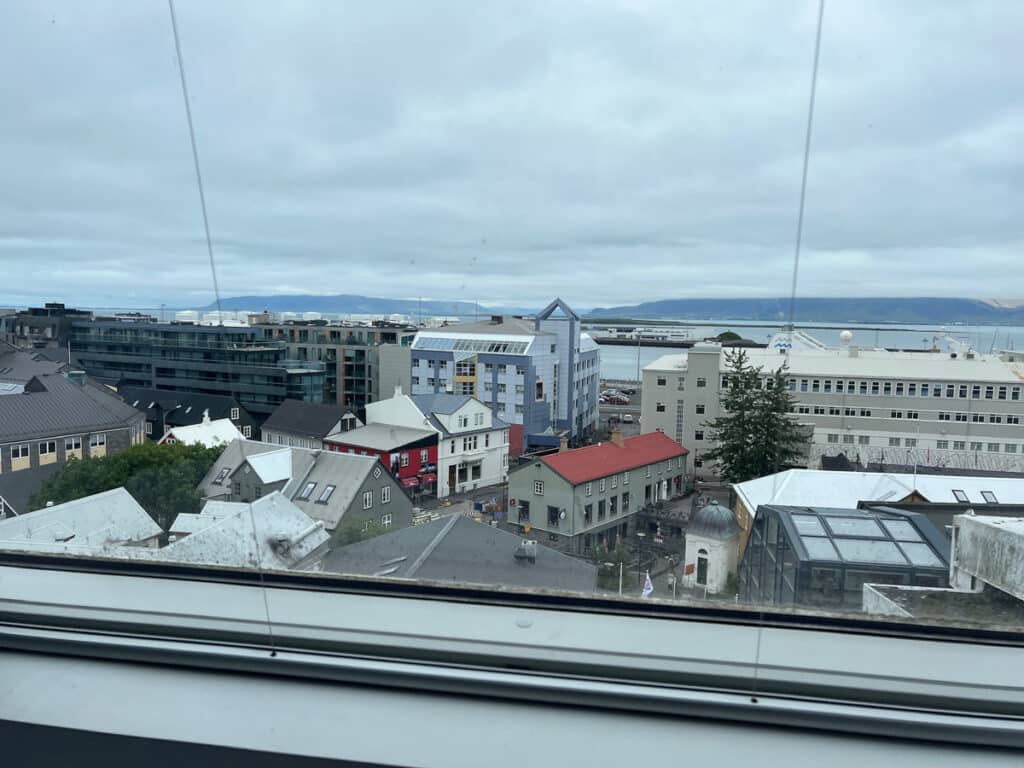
[(94, 524), (60, 408), (822, 488), (310, 420), (206, 432), (459, 549), (581, 465), (380, 437), (713, 521)]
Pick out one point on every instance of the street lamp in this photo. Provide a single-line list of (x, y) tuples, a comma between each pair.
[(612, 565), (640, 535)]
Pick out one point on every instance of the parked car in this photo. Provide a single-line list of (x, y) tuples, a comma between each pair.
[(628, 390), (617, 400), (627, 418), (610, 393)]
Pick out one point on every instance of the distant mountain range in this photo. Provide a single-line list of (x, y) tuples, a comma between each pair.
[(918, 311), (347, 304)]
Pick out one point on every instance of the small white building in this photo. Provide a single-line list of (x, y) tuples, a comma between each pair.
[(207, 433), (712, 546)]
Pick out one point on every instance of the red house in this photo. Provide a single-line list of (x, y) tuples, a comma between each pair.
[(410, 453)]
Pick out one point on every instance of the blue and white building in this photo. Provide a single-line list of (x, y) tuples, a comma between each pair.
[(540, 372)]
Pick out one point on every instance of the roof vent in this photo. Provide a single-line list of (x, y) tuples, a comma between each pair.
[(526, 550)]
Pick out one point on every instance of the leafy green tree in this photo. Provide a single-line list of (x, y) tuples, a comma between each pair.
[(755, 435), (162, 478), (729, 336)]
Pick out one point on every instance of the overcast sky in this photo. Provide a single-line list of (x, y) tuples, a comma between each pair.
[(608, 152)]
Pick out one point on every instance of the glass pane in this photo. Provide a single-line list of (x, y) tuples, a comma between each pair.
[(819, 548), (807, 524), (860, 551), (920, 554), (854, 526), (901, 530)]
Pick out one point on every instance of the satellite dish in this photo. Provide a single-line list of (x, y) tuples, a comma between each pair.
[(561, 515)]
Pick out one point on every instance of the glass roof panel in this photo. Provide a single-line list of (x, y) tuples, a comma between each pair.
[(819, 548), (901, 530), (861, 551), (807, 524), (854, 526), (921, 554)]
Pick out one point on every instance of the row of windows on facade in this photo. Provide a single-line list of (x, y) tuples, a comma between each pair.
[(942, 445), (246, 430), (48, 447), (469, 368), (962, 416), (893, 388), (908, 389), (613, 480), (471, 442), (608, 507)]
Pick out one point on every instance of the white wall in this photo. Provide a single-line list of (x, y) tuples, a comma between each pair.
[(721, 562)]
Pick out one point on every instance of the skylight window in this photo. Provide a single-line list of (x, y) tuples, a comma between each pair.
[(307, 491), (989, 497), (961, 496)]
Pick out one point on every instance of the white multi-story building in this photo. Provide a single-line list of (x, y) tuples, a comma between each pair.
[(955, 409), (472, 444), (541, 373)]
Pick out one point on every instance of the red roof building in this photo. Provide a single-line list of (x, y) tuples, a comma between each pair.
[(591, 495), (596, 461)]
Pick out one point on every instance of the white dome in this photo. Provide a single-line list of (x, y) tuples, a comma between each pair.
[(846, 337)]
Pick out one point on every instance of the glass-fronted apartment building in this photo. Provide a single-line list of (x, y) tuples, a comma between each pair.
[(350, 354), (212, 360)]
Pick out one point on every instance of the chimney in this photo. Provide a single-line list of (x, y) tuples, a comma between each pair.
[(398, 390), (206, 416), (563, 444), (617, 438)]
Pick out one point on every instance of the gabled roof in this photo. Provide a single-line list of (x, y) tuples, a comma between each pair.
[(446, 404), (207, 432), (346, 472), (549, 310), (18, 365), (380, 437), (310, 420), (91, 525), (459, 549), (272, 466), (62, 407), (223, 534), (180, 408), (16, 488), (440, 402), (581, 465)]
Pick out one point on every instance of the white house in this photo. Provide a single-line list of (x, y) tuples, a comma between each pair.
[(472, 447), (712, 546), (207, 433)]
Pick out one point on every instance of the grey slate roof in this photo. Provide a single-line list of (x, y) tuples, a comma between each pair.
[(346, 472), (440, 402), (16, 488), (180, 408), (382, 437), (21, 365), (459, 549), (448, 403), (312, 420), (62, 408)]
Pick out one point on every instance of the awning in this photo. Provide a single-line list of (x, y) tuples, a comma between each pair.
[(410, 482), (430, 477)]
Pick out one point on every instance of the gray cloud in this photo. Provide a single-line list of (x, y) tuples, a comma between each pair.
[(609, 152)]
